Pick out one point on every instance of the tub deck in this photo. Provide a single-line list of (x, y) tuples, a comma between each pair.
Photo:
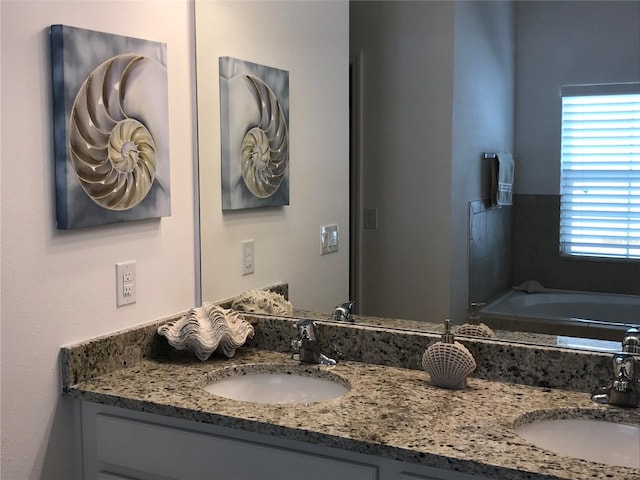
[(564, 312)]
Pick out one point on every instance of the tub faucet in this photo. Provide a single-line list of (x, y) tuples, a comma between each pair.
[(306, 348), (342, 313), (625, 388)]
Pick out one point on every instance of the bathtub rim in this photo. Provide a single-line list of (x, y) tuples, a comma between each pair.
[(554, 325)]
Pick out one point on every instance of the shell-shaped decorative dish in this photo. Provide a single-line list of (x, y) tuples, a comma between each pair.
[(113, 152), (262, 301), (479, 330), (448, 364), (206, 329)]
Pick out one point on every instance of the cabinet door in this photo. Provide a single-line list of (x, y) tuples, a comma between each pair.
[(437, 474), (183, 454)]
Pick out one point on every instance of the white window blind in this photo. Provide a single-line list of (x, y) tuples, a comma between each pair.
[(600, 171)]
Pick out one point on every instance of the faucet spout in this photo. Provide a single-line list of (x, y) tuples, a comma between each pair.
[(342, 313), (306, 348)]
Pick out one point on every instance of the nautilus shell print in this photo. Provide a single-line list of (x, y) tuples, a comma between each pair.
[(265, 146), (110, 127), (255, 134), (113, 151)]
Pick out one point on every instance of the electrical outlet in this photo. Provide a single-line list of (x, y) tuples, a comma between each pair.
[(125, 283), (328, 239), (248, 258)]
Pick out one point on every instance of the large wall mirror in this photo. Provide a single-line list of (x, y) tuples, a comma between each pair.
[(431, 86)]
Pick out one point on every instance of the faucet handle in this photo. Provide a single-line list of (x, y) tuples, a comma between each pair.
[(631, 341), (622, 383), (624, 366)]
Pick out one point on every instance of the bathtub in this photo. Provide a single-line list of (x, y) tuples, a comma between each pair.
[(564, 312)]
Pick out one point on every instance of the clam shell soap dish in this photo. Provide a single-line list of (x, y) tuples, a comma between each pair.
[(475, 330), (448, 362), (262, 301), (206, 329)]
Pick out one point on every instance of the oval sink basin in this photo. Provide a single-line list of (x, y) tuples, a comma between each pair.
[(616, 444), (280, 384)]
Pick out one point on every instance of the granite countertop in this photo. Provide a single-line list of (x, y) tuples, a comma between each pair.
[(389, 412)]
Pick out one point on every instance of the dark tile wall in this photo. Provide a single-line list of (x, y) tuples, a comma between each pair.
[(536, 254), (490, 250)]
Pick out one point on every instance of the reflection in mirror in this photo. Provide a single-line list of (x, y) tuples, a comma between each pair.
[(435, 85)]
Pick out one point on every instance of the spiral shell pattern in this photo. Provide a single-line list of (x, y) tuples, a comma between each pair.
[(265, 147), (113, 154)]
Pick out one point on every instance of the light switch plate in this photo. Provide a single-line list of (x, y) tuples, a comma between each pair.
[(329, 240)]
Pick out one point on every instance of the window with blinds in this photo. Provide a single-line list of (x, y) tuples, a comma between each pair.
[(600, 171)]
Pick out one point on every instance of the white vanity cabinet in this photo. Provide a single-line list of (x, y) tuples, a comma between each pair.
[(121, 444)]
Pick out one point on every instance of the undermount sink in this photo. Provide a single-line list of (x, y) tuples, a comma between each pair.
[(289, 384), (616, 444)]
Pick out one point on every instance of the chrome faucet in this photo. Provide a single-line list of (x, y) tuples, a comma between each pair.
[(625, 388), (342, 313), (306, 348)]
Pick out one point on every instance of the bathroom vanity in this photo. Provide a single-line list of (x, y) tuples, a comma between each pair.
[(153, 419)]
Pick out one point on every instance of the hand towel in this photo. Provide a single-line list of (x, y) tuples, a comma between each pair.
[(502, 176)]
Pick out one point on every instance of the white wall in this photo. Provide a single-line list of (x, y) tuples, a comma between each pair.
[(310, 40), (59, 286), (564, 43)]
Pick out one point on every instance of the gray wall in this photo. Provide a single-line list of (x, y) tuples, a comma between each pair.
[(561, 43), (437, 91), (483, 121), (564, 43)]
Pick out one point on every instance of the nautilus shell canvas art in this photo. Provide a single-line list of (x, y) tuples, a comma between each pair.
[(254, 119), (111, 127)]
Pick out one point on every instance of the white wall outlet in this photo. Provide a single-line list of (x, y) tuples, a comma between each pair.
[(329, 239), (125, 283), (248, 258)]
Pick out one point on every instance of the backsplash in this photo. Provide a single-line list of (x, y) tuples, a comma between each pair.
[(496, 360), (490, 250), (537, 256), (510, 245)]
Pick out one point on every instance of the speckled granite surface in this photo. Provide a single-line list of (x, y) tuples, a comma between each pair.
[(496, 360), (429, 327), (389, 412)]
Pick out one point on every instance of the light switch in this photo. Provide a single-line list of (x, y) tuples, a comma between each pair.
[(329, 240)]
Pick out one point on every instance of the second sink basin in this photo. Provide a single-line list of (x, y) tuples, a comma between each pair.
[(278, 384), (599, 441)]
